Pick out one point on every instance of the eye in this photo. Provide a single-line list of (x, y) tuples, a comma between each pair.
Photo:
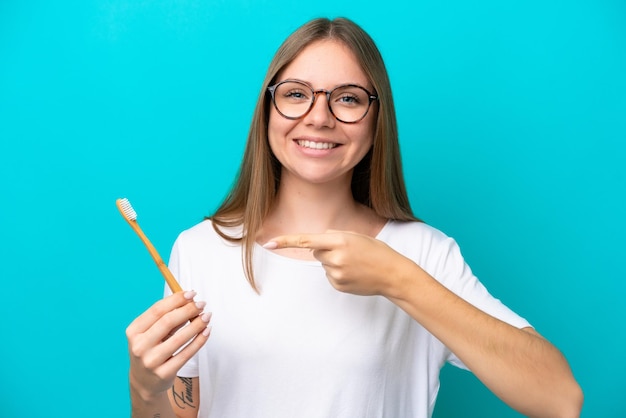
[(295, 94), (348, 98)]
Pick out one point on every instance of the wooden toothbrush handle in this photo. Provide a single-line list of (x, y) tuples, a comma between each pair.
[(167, 274)]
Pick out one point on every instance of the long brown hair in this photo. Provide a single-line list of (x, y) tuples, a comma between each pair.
[(377, 180)]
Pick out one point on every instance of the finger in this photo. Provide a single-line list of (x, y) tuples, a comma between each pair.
[(310, 241), (324, 257), (199, 326), (156, 311), (167, 324), (175, 362), (143, 344)]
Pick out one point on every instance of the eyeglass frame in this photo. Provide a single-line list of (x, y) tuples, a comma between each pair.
[(272, 89)]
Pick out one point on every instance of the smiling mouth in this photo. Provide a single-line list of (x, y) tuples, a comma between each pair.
[(316, 145)]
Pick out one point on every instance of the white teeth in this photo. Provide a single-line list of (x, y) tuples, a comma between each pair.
[(316, 145)]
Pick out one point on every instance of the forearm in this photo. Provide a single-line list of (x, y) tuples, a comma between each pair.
[(520, 367)]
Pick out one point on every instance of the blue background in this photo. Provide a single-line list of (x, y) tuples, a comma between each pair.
[(512, 120)]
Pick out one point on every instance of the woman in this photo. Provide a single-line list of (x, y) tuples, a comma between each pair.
[(294, 335)]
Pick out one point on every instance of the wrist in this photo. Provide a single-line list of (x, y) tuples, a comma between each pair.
[(144, 396), (402, 279)]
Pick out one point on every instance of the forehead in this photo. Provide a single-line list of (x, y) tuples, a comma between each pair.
[(325, 64)]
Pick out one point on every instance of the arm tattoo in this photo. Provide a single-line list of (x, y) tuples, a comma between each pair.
[(185, 397), (156, 416)]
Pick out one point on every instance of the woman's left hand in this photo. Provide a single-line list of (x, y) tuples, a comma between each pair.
[(354, 263)]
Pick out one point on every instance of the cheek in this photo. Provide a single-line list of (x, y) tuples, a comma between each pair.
[(369, 126), (278, 129), (272, 126), (272, 129), (367, 133), (277, 125)]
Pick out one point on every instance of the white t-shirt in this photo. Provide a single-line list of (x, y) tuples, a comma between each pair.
[(303, 349)]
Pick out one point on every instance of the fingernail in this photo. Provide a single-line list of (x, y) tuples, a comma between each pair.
[(271, 245), (200, 305), (207, 331), (206, 317), (190, 294)]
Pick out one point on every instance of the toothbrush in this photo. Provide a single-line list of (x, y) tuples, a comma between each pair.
[(130, 215)]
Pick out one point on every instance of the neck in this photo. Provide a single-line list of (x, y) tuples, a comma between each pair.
[(313, 208)]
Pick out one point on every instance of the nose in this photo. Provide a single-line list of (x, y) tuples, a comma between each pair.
[(320, 114)]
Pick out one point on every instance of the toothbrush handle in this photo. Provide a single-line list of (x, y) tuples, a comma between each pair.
[(167, 274)]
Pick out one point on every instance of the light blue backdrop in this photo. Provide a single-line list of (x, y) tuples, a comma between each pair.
[(512, 120)]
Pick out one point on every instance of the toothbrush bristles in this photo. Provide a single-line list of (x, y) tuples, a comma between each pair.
[(127, 209)]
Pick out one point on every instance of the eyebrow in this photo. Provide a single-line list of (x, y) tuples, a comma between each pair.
[(368, 89)]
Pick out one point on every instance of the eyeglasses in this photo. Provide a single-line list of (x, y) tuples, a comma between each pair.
[(348, 103)]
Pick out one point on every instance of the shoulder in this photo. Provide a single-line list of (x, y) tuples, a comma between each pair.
[(428, 246), (412, 232), (201, 249), (199, 232), (204, 236), (207, 230)]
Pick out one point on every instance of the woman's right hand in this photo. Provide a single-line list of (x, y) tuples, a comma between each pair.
[(155, 338)]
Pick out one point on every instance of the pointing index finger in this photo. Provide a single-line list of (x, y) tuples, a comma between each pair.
[(311, 241)]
